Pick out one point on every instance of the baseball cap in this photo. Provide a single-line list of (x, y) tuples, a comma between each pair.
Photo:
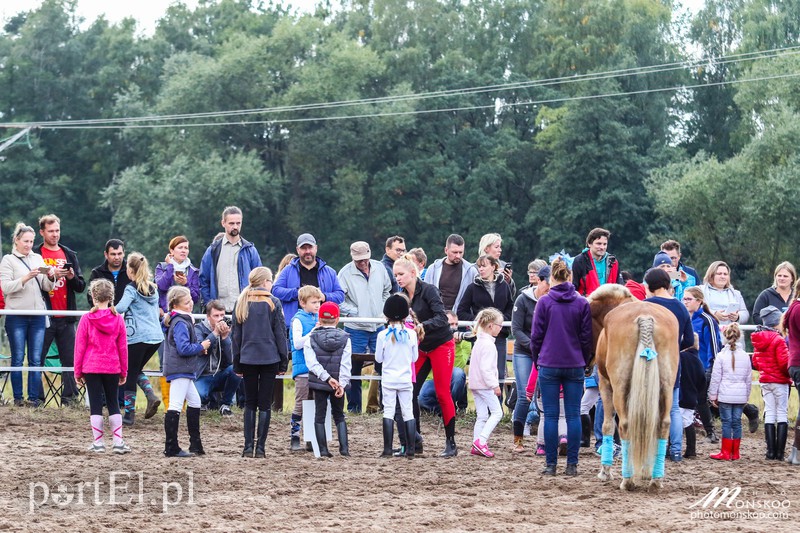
[(360, 250), (306, 238), (329, 311)]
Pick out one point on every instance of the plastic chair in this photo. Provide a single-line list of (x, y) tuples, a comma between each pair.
[(52, 391), (4, 375)]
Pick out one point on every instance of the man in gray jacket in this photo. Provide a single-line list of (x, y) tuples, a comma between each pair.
[(366, 286), (451, 274)]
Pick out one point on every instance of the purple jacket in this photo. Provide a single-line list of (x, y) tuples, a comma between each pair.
[(165, 278), (561, 335)]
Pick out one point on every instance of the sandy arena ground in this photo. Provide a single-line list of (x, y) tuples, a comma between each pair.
[(44, 463)]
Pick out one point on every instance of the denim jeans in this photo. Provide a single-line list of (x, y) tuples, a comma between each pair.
[(224, 380), (458, 390), (524, 411), (731, 415), (551, 381), (675, 426), (22, 331), (361, 342)]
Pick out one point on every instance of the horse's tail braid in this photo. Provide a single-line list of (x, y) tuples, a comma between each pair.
[(643, 404)]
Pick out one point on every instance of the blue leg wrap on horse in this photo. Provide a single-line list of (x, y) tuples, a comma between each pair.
[(661, 452), (627, 470), (607, 451)]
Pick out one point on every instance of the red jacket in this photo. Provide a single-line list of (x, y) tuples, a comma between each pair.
[(637, 289), (770, 357), (584, 275)]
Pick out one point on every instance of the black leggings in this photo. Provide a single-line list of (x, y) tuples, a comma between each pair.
[(138, 356), (259, 384), (321, 406), (98, 386)]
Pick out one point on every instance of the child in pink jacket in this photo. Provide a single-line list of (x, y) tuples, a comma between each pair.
[(483, 380), (729, 390), (101, 363)]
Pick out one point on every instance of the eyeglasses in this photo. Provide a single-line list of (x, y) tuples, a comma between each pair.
[(532, 272), (500, 325)]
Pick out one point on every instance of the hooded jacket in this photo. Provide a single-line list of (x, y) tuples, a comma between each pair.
[(101, 345), (434, 273), (720, 299), (584, 275), (120, 282), (770, 356), (483, 364), (141, 315), (477, 297), (261, 339), (770, 296), (522, 320), (248, 260), (561, 336), (707, 331), (364, 297), (288, 283), (76, 284)]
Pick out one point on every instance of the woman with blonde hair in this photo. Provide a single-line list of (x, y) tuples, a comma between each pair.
[(492, 244), (780, 294), (24, 277), (260, 352), (139, 305)]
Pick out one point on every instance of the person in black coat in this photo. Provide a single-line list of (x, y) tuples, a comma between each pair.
[(692, 387), (489, 289)]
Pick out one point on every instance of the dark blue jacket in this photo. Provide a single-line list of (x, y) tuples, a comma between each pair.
[(693, 379), (561, 335), (181, 351), (248, 260), (261, 339), (707, 330), (288, 283), (685, 331)]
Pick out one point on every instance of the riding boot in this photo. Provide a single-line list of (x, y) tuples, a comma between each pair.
[(263, 429), (172, 420), (152, 400), (770, 437), (193, 425), (794, 455), (411, 429), (249, 431), (295, 436), (586, 431), (341, 433), (322, 440), (735, 449), (780, 443), (691, 442), (751, 412), (401, 433), (450, 448), (725, 450), (130, 408), (388, 437)]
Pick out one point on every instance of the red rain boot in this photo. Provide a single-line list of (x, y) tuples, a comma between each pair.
[(725, 451)]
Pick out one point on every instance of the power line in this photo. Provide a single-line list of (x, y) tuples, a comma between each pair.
[(653, 69), (428, 111)]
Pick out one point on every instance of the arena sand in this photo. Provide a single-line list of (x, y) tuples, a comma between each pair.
[(45, 470)]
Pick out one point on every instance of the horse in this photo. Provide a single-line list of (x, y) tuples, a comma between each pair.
[(637, 361)]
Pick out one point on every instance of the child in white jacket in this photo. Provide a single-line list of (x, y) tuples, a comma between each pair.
[(483, 380), (397, 349), (729, 390)]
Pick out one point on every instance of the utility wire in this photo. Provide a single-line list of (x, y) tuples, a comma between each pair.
[(427, 111)]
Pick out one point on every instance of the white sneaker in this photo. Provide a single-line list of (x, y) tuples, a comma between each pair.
[(121, 448), (97, 447), (526, 432)]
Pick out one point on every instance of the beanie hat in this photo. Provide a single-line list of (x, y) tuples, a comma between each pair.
[(770, 316), (544, 272), (329, 311), (395, 308), (661, 258)]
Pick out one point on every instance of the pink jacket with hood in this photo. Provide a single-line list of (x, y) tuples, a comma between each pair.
[(101, 344)]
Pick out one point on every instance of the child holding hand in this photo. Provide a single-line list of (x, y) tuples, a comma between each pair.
[(483, 379)]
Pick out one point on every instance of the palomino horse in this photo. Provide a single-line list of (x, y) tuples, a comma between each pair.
[(637, 360)]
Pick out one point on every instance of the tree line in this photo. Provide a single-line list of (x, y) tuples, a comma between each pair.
[(644, 119)]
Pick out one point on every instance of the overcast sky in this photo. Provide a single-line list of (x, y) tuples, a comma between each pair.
[(146, 12)]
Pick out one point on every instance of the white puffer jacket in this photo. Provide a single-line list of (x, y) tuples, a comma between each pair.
[(729, 384)]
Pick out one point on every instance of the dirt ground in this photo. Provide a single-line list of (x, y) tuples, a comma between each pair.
[(48, 482)]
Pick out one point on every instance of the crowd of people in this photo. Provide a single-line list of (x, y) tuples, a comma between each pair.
[(293, 317)]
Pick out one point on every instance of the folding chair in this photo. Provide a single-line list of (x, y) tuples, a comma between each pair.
[(52, 378), (4, 361)]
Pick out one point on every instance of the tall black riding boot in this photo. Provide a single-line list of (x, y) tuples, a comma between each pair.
[(193, 425), (249, 432), (586, 431), (172, 420), (751, 412), (388, 437), (322, 440), (770, 436), (691, 442), (450, 449), (263, 429), (341, 433), (401, 432), (780, 443), (411, 429)]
